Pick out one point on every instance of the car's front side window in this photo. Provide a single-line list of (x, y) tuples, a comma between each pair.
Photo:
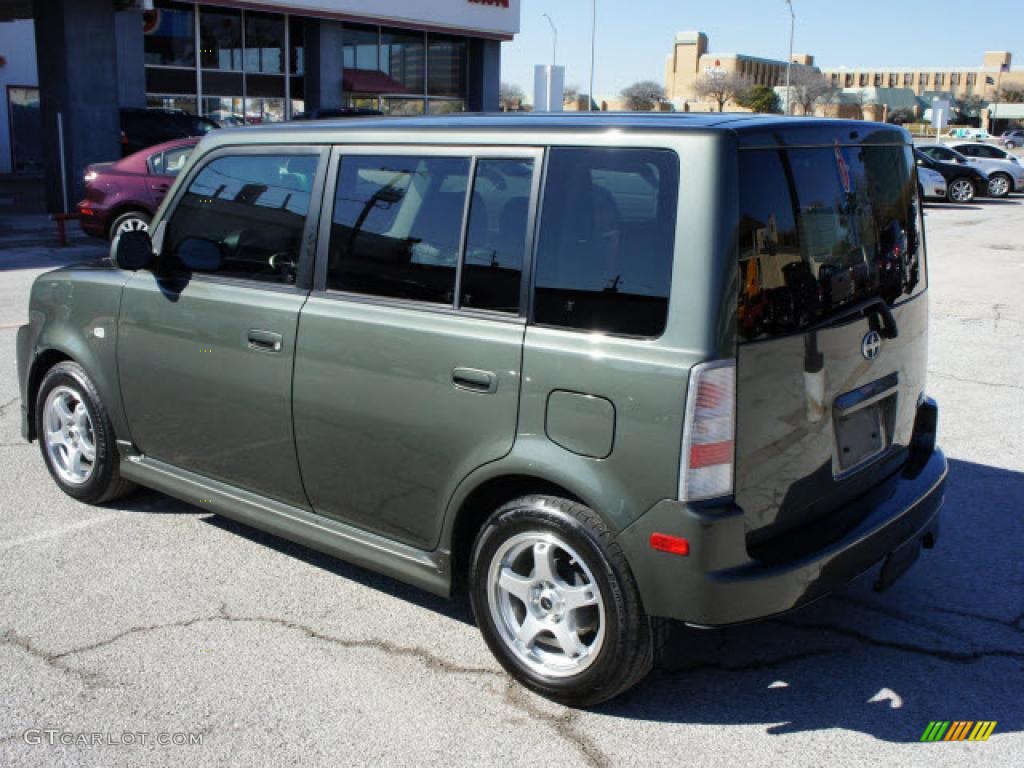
[(174, 160), (243, 216)]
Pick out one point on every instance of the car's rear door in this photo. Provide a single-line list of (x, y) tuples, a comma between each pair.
[(407, 371), (832, 331), (205, 356)]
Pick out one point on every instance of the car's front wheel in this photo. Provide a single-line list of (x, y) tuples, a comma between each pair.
[(76, 437), (960, 191), (557, 603), (132, 221), (999, 185)]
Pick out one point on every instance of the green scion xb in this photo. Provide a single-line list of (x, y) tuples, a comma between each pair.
[(605, 371)]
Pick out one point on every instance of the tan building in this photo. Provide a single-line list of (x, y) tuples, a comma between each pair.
[(690, 58), (995, 73)]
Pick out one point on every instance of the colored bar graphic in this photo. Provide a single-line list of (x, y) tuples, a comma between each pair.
[(958, 730)]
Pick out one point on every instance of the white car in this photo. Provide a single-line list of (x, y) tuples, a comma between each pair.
[(1004, 176), (933, 184)]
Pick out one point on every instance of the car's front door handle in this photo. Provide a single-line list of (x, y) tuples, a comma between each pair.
[(265, 341), (475, 380)]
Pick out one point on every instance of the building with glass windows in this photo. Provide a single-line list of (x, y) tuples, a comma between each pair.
[(250, 61)]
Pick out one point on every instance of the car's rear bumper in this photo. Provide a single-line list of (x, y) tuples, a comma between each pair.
[(92, 220), (719, 583), (934, 190)]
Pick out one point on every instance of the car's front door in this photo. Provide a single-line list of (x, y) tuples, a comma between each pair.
[(407, 372), (207, 339)]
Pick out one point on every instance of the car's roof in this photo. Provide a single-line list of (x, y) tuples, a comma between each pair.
[(752, 129)]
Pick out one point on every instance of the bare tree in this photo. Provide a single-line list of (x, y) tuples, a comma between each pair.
[(643, 96), (721, 87), (571, 94), (808, 88), (510, 97), (1012, 95)]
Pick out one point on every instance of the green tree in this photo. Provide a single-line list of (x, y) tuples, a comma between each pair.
[(760, 98)]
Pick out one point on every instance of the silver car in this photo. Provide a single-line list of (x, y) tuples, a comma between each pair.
[(986, 152), (1004, 176), (933, 183)]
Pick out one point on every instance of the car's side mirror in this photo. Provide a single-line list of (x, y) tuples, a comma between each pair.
[(198, 255), (132, 250)]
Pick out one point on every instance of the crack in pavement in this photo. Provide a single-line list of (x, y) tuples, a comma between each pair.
[(964, 380), (955, 657), (564, 725), (8, 404), (920, 622), (755, 664), (52, 660)]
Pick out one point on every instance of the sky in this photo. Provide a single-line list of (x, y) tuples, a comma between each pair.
[(635, 36)]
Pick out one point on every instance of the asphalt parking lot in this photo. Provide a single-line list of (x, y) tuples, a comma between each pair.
[(153, 617)]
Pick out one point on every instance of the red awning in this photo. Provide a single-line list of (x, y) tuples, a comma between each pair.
[(370, 81)]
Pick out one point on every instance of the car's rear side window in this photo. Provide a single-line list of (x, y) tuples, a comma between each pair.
[(822, 228), (604, 256)]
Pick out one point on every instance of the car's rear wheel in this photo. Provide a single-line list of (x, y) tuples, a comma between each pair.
[(999, 185), (1011, 144), (960, 191), (76, 437), (132, 221), (557, 604)]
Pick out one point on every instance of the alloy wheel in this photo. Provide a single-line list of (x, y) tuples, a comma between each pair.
[(961, 191), (546, 604), (999, 186), (69, 436), (132, 224)]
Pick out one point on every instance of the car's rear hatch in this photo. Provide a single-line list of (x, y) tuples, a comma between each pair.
[(832, 335)]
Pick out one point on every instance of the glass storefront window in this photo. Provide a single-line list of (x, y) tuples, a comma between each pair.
[(264, 110), (225, 110), (220, 38), (446, 66), (359, 47), (402, 106), (297, 41), (170, 35), (264, 43), (187, 103), (445, 106), (402, 58)]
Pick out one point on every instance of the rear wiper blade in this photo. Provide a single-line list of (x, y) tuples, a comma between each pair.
[(877, 312)]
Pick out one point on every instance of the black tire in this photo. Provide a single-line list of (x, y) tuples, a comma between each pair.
[(630, 639), (129, 218), (105, 482), (1003, 188)]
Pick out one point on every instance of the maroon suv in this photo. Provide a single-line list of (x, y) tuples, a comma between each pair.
[(124, 195)]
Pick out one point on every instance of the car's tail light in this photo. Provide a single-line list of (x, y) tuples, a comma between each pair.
[(709, 434)]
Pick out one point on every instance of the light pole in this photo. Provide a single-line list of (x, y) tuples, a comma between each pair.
[(789, 63), (593, 45), (554, 44)]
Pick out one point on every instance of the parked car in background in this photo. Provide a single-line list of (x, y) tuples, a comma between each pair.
[(123, 196), (141, 128), (946, 154), (979, 134), (931, 184), (1013, 138), (963, 182), (324, 114), (1005, 172)]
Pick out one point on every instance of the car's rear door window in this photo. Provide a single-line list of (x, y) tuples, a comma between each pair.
[(606, 243), (821, 229), (397, 226)]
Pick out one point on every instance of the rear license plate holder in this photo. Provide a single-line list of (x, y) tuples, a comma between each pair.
[(860, 436), (897, 563)]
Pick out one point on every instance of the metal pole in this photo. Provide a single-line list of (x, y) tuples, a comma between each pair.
[(789, 63), (554, 44), (593, 45), (63, 165)]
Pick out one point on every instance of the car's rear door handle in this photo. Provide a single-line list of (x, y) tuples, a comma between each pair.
[(265, 341), (475, 380)]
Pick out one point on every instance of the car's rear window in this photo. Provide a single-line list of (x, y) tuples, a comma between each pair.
[(822, 228)]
